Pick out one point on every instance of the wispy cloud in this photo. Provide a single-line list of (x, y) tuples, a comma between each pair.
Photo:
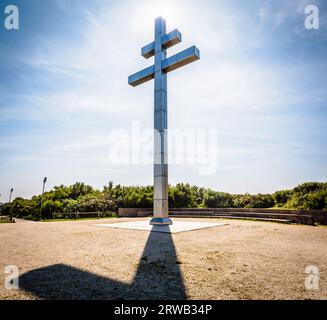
[(255, 83)]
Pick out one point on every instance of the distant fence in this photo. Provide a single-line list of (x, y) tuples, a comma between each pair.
[(298, 216)]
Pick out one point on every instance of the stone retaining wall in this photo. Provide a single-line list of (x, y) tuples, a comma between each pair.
[(318, 216)]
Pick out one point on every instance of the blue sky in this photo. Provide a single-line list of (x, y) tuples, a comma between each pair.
[(261, 83)]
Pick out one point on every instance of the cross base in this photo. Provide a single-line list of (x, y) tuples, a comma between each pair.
[(161, 222)]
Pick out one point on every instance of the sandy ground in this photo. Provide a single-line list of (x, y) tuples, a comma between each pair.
[(243, 260)]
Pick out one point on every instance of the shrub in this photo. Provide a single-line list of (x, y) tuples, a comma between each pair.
[(213, 199), (282, 197)]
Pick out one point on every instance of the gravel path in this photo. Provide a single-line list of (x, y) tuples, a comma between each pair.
[(243, 260)]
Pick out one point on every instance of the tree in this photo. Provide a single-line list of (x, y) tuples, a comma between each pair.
[(282, 197), (214, 199), (183, 196)]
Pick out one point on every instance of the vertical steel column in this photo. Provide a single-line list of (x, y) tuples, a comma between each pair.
[(160, 204)]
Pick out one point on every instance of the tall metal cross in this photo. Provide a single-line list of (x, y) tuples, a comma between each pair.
[(158, 72)]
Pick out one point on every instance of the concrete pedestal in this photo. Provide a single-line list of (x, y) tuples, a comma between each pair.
[(161, 222)]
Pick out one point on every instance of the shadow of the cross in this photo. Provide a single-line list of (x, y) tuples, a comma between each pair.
[(158, 276)]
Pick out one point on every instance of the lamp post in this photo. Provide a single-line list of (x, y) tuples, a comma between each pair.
[(44, 181), (10, 212), (11, 191)]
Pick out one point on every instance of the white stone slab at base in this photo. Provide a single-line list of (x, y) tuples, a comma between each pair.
[(176, 227)]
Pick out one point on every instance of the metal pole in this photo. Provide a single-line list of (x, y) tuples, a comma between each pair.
[(10, 212), (44, 181)]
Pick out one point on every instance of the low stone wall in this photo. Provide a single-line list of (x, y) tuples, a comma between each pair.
[(301, 216), (134, 212)]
